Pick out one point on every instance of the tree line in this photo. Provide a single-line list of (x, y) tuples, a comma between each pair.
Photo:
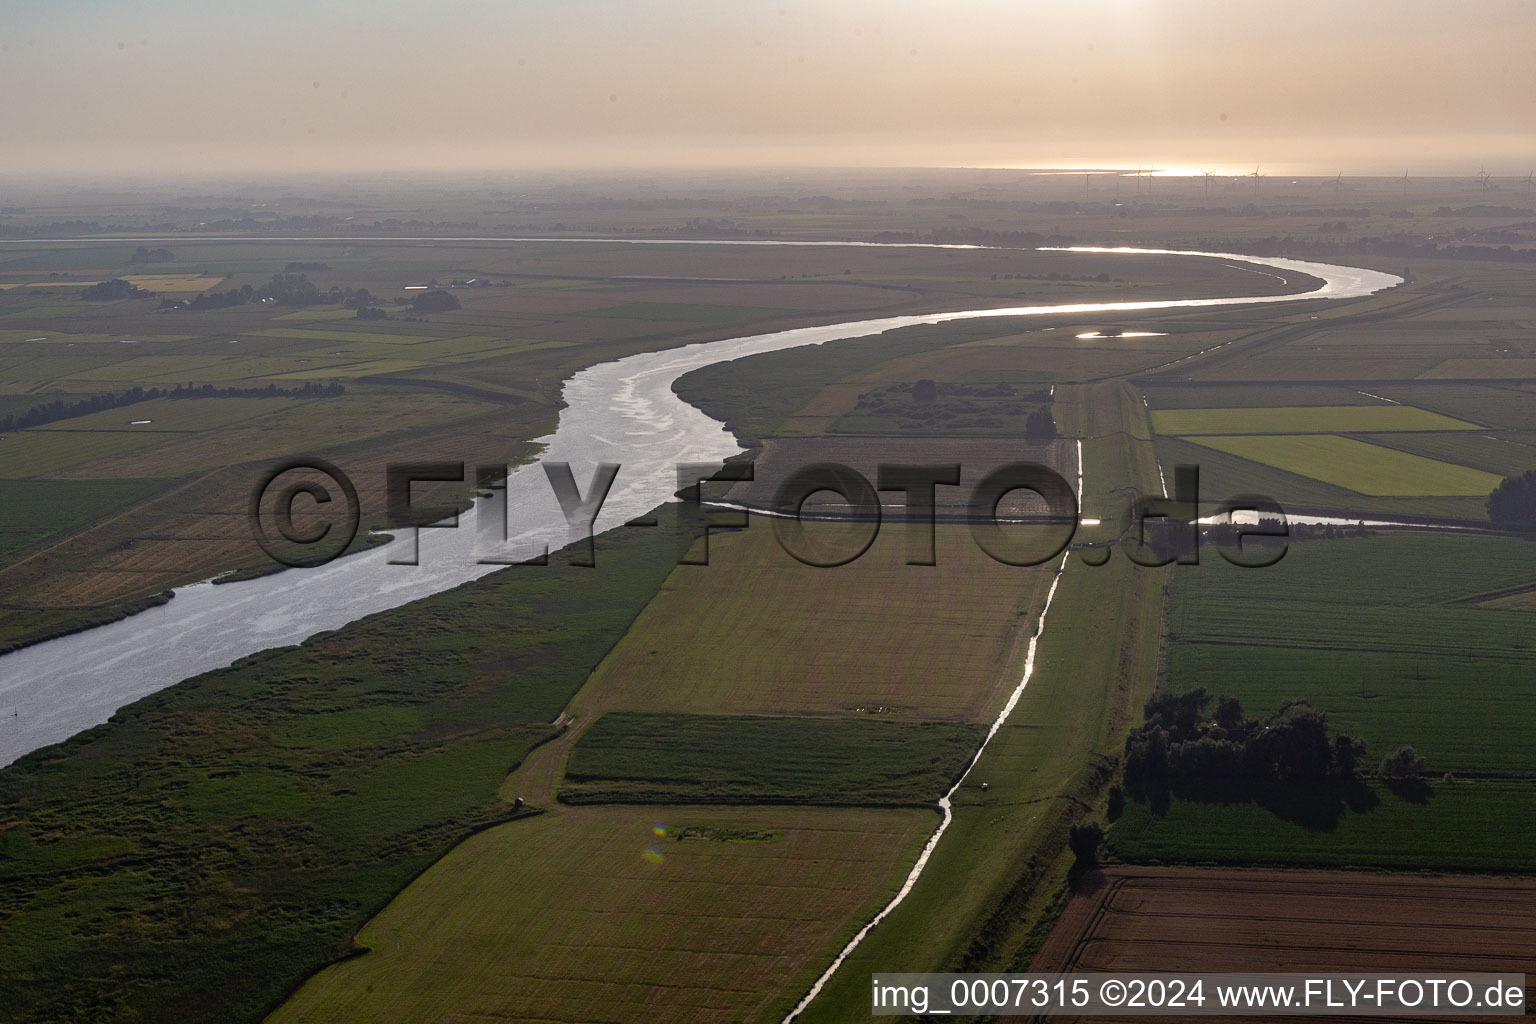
[(1179, 745), (1513, 502), (296, 289), (58, 409)]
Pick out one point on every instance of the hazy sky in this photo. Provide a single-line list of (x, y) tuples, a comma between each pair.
[(101, 85)]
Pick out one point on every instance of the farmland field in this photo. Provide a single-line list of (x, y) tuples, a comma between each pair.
[(1506, 454), (627, 757), (1323, 419), (1476, 825), (694, 312), (591, 915), (726, 769), (177, 414), (708, 642), (34, 510), (1184, 919), (1389, 637), (1355, 465)]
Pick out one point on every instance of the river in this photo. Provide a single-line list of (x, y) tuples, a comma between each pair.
[(623, 411)]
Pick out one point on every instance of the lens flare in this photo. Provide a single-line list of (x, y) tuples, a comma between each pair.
[(660, 830), (651, 855)]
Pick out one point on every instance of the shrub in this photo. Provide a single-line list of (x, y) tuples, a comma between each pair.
[(1084, 841), (1404, 763), (1513, 502)]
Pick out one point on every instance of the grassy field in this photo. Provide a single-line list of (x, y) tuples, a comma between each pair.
[(1388, 636), (1506, 453), (695, 312), (177, 414), (1356, 465), (1222, 474), (31, 511), (591, 915), (628, 757), (219, 841), (1461, 826), (1316, 419), (874, 637)]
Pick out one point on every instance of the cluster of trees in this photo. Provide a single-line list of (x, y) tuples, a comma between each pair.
[(291, 288), (50, 412), (110, 291), (1513, 502), (1180, 745), (285, 289), (928, 403), (295, 290), (434, 301), (144, 254), (1485, 210), (1053, 276), (722, 227), (212, 300), (1398, 244), (974, 236)]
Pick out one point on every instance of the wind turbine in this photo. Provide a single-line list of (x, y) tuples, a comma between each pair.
[(1530, 180), (1255, 176), (1337, 182), (1207, 175), (1404, 180), (1483, 177)]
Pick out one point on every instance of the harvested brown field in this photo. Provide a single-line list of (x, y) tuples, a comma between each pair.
[(1193, 919)]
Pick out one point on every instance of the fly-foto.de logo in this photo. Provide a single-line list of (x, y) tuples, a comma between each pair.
[(306, 512)]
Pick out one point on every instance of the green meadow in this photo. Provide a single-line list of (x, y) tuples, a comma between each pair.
[(1316, 419), (1387, 635), (631, 757), (1355, 465)]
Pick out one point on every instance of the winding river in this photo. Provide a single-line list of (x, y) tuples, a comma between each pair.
[(623, 411)]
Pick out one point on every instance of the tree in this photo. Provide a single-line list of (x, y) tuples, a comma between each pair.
[(434, 301), (1513, 502), (1347, 752), (1293, 747), (1403, 764), (291, 290), (1084, 841), (110, 291), (144, 254), (1229, 712), (925, 391), (1039, 426)]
